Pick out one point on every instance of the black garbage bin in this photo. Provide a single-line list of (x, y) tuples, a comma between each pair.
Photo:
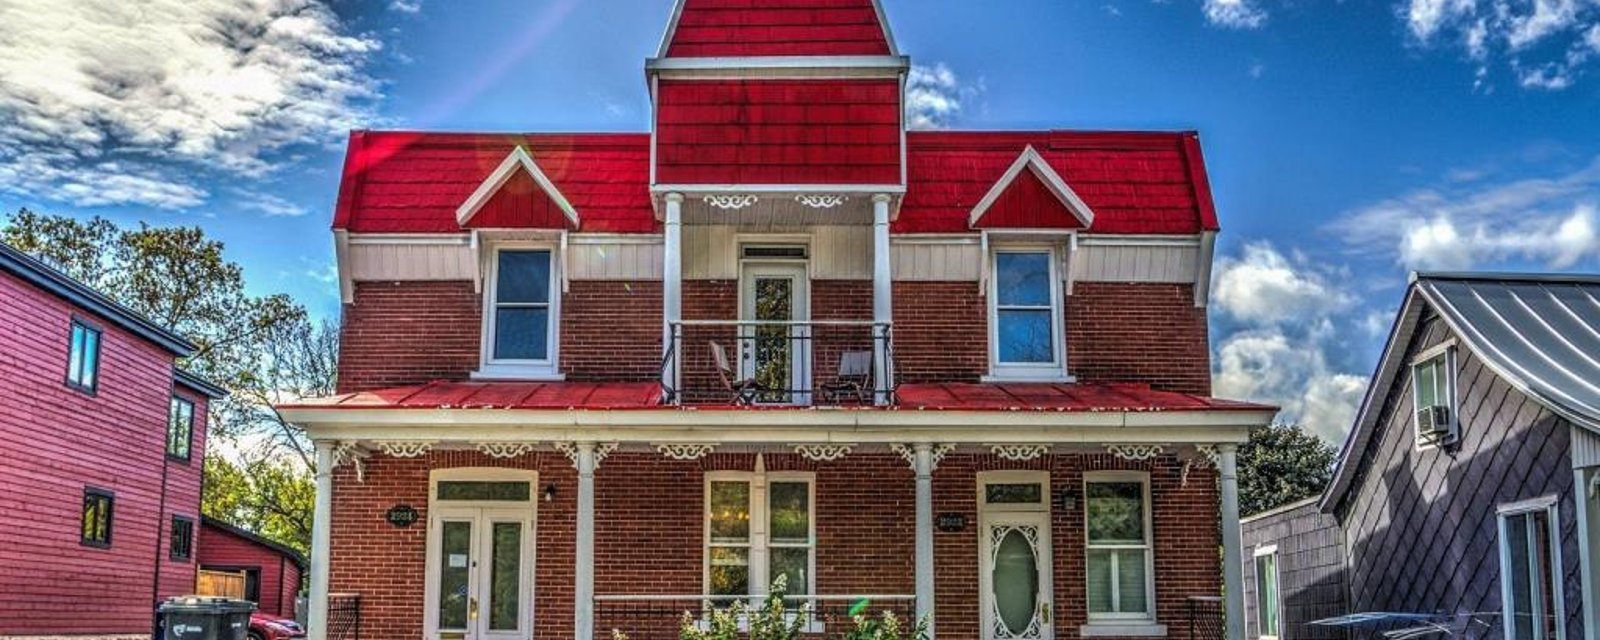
[(205, 618)]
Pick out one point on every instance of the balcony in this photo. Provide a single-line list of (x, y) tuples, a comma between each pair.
[(779, 363)]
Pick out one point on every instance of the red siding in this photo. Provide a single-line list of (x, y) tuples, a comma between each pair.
[(649, 535), (736, 28), (520, 204), (279, 575), (778, 132), (54, 441), (1028, 204)]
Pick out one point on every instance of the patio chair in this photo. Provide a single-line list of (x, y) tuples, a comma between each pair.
[(854, 380), (741, 391)]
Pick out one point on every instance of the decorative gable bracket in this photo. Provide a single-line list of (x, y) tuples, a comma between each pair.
[(519, 158)]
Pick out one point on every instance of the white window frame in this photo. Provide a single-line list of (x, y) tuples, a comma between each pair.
[(760, 538), (494, 368), (1550, 506), (1054, 371), (1277, 589), (1143, 478), (1445, 354)]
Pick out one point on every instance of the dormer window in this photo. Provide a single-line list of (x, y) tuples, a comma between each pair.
[(1025, 315), (1433, 387), (520, 315)]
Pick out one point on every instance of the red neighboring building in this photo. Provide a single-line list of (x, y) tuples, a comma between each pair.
[(592, 381), (272, 570), (102, 442)]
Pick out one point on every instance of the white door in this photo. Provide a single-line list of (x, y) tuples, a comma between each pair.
[(1014, 576), (479, 577), (776, 353)]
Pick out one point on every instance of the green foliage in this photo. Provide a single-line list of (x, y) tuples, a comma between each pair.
[(772, 621), (887, 627), (272, 497), (1282, 464)]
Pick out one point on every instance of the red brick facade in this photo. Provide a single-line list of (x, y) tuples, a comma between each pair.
[(649, 534), (1139, 332)]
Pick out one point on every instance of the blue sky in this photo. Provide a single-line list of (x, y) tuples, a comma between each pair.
[(1348, 142)]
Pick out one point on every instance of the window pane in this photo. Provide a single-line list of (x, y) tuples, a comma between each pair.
[(1521, 605), (1015, 581), (1099, 570), (795, 564), (730, 512), (1030, 493), (1022, 279), (524, 277), (1116, 512), (455, 559), (1427, 394), (730, 571), (180, 427), (492, 491), (1131, 581), (75, 355), (91, 358), (1267, 595), (790, 507), (1026, 336), (505, 571), (522, 334)]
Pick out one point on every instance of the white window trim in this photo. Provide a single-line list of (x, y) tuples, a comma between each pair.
[(1055, 371), (529, 536), (1277, 567), (986, 478), (1447, 351), (1091, 477), (760, 538), (1550, 506), (492, 368)]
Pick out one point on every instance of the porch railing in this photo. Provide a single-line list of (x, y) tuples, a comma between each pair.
[(773, 363), (1205, 618), (344, 616), (647, 617)]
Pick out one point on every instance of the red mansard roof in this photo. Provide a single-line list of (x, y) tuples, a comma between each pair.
[(1136, 183), (743, 28)]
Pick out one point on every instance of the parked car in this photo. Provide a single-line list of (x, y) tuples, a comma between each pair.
[(264, 626)]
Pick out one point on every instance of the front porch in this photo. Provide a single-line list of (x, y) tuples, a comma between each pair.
[(991, 523)]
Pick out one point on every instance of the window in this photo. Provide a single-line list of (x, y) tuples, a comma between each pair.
[(1433, 387), (1267, 592), (1025, 320), (182, 545), (97, 507), (83, 357), (1117, 514), (520, 321), (1530, 579), (180, 428), (745, 560)]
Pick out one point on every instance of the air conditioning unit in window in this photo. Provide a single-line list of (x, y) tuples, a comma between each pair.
[(1433, 421)]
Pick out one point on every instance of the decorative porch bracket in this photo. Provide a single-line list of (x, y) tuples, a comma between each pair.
[(505, 450), (823, 452), (685, 452)]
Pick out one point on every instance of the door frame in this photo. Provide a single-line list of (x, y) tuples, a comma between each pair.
[(800, 358), (482, 513), (1038, 514)]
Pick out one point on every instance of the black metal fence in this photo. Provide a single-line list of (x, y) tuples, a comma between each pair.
[(1206, 618), (661, 617), (344, 616), (827, 363)]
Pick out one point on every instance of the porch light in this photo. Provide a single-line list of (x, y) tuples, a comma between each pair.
[(1067, 498), (549, 492)]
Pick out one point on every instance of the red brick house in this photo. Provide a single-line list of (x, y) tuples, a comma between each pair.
[(592, 381), (272, 571), (102, 440)]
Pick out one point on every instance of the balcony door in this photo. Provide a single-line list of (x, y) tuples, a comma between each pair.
[(775, 349), (480, 559)]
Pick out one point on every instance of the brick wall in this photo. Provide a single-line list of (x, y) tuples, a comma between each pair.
[(941, 332), (649, 534), (611, 331), (1139, 332), (403, 333)]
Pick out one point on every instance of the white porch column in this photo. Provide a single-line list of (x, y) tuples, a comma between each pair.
[(922, 464), (1232, 542), (321, 543), (583, 591), (882, 297), (672, 284)]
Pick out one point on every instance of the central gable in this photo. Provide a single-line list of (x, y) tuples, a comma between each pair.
[(761, 28), (1031, 195)]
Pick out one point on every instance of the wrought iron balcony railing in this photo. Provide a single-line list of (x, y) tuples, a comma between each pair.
[(774, 363)]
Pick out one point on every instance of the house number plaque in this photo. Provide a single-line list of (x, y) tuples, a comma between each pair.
[(951, 522), (401, 515)]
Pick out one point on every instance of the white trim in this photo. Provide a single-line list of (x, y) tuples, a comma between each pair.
[(1148, 545), (986, 478), (1039, 515), (692, 190), (1030, 159), (760, 545), (486, 511), (1445, 352), (1555, 591), (1530, 505), (1277, 588), (1103, 630), (1126, 240), (1280, 509), (341, 258), (1265, 550), (1202, 278), (448, 239), (1054, 371), (492, 368), (518, 157)]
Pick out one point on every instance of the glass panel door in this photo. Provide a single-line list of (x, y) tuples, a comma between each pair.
[(454, 590), (480, 566), (1015, 577), (504, 594), (775, 351)]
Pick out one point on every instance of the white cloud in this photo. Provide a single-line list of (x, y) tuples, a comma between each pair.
[(1284, 309), (935, 96), (1593, 38), (270, 205), (1549, 221), (1544, 43), (1235, 14), (107, 103), (406, 6)]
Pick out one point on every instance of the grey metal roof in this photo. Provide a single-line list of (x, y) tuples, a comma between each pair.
[(1540, 332)]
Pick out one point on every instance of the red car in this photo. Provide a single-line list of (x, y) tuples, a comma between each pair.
[(270, 627)]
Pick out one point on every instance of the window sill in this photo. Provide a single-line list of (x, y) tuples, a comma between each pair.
[(995, 378), (1122, 630), (519, 372)]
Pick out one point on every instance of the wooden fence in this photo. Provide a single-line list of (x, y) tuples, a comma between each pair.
[(223, 584)]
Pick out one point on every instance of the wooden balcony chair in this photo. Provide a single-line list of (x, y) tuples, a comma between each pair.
[(741, 391), (854, 380)]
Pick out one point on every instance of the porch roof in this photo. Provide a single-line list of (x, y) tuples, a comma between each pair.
[(1059, 397), (496, 395)]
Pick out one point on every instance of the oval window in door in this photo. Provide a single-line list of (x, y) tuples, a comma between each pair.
[(1016, 581)]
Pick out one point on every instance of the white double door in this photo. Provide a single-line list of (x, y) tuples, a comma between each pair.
[(1014, 576), (480, 577)]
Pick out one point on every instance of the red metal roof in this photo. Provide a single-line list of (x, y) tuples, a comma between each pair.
[(738, 28), (498, 395), (1059, 397)]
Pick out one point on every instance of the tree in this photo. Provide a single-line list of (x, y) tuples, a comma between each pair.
[(1282, 464), (272, 496)]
